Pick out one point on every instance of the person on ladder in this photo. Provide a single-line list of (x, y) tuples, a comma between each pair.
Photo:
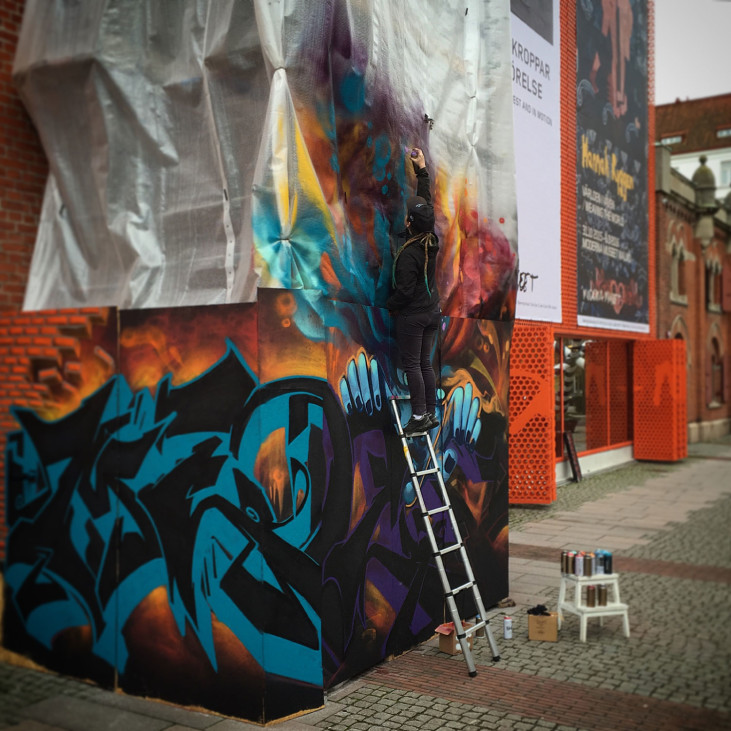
[(415, 301)]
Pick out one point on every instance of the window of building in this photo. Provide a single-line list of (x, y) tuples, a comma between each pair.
[(715, 376), (678, 286), (593, 390), (724, 132), (671, 139), (725, 173), (713, 286)]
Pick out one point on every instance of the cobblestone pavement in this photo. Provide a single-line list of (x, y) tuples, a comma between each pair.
[(668, 527)]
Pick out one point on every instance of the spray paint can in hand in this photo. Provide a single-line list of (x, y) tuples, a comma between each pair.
[(508, 628)]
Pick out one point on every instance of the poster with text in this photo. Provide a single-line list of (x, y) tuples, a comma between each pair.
[(536, 119), (611, 132)]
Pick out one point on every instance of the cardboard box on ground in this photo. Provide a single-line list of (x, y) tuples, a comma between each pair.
[(448, 638), (543, 627)]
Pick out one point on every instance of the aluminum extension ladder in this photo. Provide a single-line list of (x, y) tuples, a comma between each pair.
[(450, 592)]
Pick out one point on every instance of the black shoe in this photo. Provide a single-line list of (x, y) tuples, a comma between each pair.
[(432, 419), (414, 427)]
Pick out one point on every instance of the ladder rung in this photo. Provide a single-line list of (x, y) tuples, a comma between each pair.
[(475, 627), (436, 511), (457, 589), (449, 549), (431, 471)]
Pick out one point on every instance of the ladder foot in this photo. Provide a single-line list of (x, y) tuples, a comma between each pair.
[(473, 673), (496, 658)]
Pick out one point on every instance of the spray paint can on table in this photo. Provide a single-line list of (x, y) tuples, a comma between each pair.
[(602, 595)]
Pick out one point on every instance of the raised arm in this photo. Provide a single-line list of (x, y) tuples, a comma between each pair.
[(422, 175)]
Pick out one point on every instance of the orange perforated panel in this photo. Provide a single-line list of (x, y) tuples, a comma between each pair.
[(660, 429), (620, 394), (597, 403), (531, 462)]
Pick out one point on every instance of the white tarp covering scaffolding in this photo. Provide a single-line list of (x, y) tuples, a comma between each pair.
[(200, 149)]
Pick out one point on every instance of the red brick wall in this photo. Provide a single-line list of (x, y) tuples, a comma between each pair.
[(714, 324), (23, 170), (693, 321), (675, 319)]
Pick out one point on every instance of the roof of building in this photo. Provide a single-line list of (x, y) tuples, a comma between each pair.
[(701, 124)]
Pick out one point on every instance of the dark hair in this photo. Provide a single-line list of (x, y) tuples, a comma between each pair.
[(429, 239)]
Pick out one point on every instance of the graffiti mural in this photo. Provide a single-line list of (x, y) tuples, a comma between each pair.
[(221, 514), (178, 525)]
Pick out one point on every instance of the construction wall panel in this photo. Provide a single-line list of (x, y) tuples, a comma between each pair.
[(49, 362), (211, 505), (532, 417)]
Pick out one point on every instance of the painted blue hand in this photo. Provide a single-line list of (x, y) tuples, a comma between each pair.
[(362, 388), (461, 427)]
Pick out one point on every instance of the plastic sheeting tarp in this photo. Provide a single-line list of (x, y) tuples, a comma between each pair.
[(200, 150)]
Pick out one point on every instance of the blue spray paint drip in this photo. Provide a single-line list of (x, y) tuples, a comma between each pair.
[(352, 92), (382, 156)]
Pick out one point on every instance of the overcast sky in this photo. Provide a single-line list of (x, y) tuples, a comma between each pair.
[(692, 58)]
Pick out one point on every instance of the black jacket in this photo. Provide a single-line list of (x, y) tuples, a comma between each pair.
[(410, 291)]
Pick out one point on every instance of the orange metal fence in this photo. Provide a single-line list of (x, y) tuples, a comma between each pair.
[(532, 422), (660, 429)]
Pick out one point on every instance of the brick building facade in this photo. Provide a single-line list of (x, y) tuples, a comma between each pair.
[(694, 288), (23, 170)]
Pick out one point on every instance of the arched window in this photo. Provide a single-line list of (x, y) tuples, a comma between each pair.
[(713, 285), (715, 375), (678, 276)]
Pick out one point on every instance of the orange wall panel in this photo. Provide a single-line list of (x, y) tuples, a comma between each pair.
[(660, 401), (531, 429)]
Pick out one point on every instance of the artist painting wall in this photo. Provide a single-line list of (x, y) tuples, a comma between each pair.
[(218, 512)]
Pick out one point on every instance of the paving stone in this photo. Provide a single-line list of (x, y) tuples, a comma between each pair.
[(76, 714), (30, 725)]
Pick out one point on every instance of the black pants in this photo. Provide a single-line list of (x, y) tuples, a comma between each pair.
[(415, 334)]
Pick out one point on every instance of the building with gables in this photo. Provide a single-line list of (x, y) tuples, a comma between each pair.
[(698, 127), (693, 273)]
